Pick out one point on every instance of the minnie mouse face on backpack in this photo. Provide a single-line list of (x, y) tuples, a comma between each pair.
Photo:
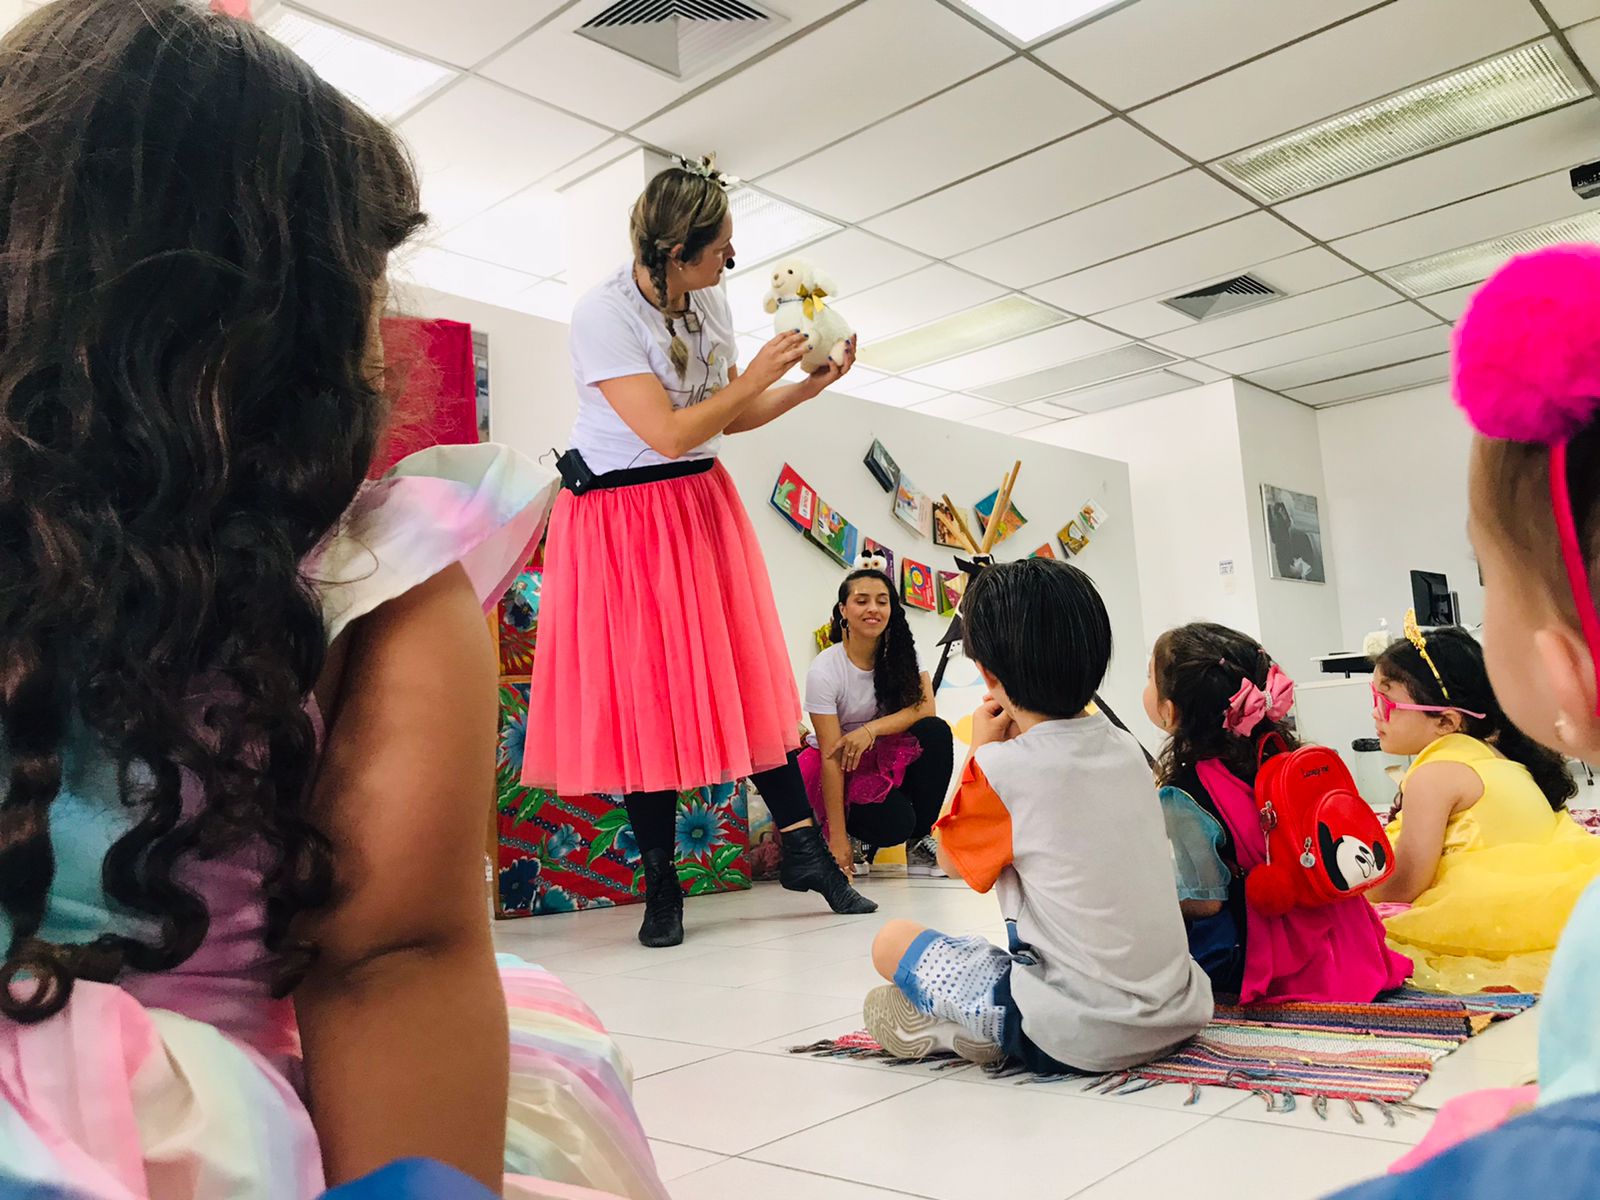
[(1349, 861)]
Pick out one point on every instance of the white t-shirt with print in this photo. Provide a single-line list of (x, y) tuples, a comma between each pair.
[(617, 332), (836, 687)]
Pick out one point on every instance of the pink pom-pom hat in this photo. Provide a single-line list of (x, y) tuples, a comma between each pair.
[(1527, 369)]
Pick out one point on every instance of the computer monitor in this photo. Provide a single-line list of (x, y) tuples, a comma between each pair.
[(1430, 596)]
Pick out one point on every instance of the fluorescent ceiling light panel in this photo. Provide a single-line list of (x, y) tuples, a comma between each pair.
[(1080, 372), (1029, 20), (1474, 100), (1475, 263), (1124, 391), (962, 333), (381, 79), (765, 227)]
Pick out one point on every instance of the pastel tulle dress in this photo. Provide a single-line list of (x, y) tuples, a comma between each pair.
[(185, 1085), (1511, 872)]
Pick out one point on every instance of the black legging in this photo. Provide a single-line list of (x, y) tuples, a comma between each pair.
[(654, 815), (908, 812)]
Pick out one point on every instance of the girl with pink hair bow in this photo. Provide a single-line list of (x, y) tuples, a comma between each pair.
[(1220, 697)]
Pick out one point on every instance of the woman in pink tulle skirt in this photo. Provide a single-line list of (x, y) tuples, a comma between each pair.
[(661, 664)]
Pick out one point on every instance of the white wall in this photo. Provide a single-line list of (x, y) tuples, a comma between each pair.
[(826, 441), (1396, 471), (531, 397), (1278, 445), (1184, 465)]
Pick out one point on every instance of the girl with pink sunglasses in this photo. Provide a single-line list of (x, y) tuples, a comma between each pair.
[(1487, 862)]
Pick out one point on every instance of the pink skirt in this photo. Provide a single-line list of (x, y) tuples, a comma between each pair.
[(661, 664), (881, 769)]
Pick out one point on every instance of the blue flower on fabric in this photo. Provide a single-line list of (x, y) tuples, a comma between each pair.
[(699, 829), (519, 884), (557, 900), (514, 741), (627, 845), (562, 842)]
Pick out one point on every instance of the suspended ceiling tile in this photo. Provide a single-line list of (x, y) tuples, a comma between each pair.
[(1013, 421), (898, 393), (1165, 269), (1452, 304), (1535, 147), (915, 299), (1368, 356), (1382, 52), (1123, 392), (1570, 12), (1032, 352), (1302, 271), (477, 143), (889, 163), (1166, 209), (528, 232), (586, 164), (1275, 317), (463, 33), (857, 262), (1323, 339), (847, 74), (956, 407), (1157, 46), (1090, 166), (1586, 43), (457, 275), (1199, 372), (1375, 383), (1519, 206)]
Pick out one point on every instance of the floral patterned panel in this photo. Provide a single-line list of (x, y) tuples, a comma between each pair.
[(519, 618), (564, 853)]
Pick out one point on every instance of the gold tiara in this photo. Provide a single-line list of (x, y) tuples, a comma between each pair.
[(1415, 636)]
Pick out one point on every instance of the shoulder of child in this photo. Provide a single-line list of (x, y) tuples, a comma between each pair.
[(1443, 784)]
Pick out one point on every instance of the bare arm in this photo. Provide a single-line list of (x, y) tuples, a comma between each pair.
[(403, 1018), (829, 737), (776, 401), (645, 407), (899, 722), (1433, 794)]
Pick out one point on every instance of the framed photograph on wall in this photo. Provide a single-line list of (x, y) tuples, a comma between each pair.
[(1294, 535), (480, 371)]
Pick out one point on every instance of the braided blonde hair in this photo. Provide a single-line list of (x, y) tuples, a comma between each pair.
[(678, 207)]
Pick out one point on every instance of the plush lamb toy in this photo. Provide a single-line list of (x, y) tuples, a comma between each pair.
[(796, 302)]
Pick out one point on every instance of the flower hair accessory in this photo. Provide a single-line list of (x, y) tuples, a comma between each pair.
[(1417, 638), (706, 168), (1251, 704), (1527, 369)]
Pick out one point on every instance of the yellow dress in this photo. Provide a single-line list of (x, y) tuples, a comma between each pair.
[(1509, 875)]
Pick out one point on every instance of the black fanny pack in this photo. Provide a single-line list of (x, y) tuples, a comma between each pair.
[(577, 478)]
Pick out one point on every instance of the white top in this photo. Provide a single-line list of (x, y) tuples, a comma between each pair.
[(836, 687), (1065, 824), (617, 332)]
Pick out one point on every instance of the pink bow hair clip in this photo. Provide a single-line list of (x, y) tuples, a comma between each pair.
[(1250, 704)]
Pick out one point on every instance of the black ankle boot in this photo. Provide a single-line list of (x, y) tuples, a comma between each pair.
[(663, 901), (809, 866)]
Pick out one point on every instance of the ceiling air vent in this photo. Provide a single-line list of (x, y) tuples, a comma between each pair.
[(1220, 299), (679, 37)]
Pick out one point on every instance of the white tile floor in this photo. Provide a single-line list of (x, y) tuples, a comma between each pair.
[(733, 1116)]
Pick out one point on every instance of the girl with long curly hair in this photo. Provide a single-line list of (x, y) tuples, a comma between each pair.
[(247, 704), (879, 761)]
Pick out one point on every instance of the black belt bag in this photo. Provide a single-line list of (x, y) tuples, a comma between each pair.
[(577, 478)]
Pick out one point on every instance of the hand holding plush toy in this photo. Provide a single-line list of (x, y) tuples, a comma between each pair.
[(797, 303)]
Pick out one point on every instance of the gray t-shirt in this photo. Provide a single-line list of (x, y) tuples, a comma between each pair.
[(1063, 822)]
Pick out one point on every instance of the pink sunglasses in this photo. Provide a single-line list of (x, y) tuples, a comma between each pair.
[(1387, 707)]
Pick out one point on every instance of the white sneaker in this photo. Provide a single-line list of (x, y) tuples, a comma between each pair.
[(904, 1032), (922, 859), (861, 858)]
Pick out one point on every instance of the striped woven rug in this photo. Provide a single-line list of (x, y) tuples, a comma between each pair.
[(1378, 1053)]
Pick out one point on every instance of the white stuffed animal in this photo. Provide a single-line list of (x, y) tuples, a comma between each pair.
[(797, 304), (872, 560)]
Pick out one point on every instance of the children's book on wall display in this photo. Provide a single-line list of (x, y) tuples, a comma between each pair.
[(1045, 551), (946, 528), (913, 508), (1010, 522), (794, 499), (883, 467), (917, 586), (952, 586), (834, 534)]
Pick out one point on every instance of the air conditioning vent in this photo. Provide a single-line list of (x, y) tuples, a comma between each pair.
[(1220, 299), (680, 38)]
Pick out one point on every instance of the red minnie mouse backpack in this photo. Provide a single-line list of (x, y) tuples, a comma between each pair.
[(1323, 840)]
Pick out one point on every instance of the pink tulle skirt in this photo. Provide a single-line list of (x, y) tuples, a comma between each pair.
[(881, 769), (660, 664)]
